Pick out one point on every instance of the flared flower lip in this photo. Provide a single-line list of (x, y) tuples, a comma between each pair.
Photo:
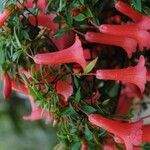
[(75, 55), (135, 75), (130, 133)]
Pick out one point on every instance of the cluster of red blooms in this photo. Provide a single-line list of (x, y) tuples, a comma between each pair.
[(127, 36)]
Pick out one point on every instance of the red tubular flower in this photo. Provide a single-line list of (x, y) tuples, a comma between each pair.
[(73, 54), (135, 75), (130, 133), (129, 30), (141, 20), (128, 44), (7, 86), (4, 16), (128, 11), (146, 134)]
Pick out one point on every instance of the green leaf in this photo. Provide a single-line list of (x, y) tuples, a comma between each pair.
[(119, 147), (76, 83), (89, 109), (146, 146), (94, 2), (146, 10), (24, 78), (82, 2), (25, 35), (88, 13), (91, 65), (17, 54), (80, 17), (78, 95), (69, 19), (59, 33), (69, 111), (88, 133), (76, 146), (67, 68), (58, 19), (17, 39), (113, 91), (137, 4)]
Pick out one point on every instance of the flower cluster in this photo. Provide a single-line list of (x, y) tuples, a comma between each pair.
[(69, 74)]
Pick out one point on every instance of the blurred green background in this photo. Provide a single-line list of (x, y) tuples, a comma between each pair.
[(17, 134)]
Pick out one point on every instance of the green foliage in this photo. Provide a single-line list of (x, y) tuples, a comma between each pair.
[(78, 95), (137, 4), (89, 109), (88, 133), (59, 33), (146, 146), (90, 66), (20, 41)]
